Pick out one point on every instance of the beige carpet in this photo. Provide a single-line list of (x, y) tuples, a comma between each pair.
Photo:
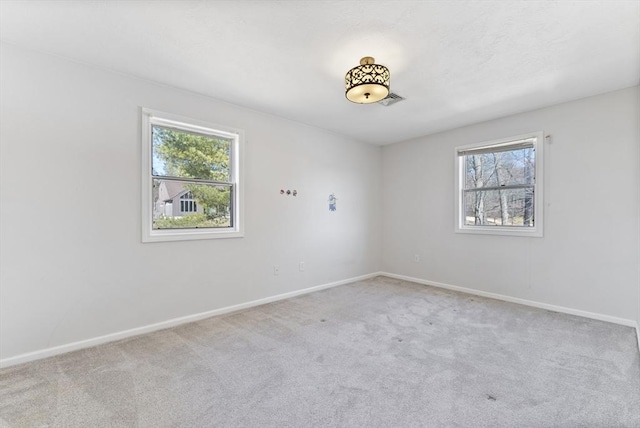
[(377, 353)]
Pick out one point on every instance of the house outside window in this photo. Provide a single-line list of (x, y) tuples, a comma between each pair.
[(499, 186), (191, 181)]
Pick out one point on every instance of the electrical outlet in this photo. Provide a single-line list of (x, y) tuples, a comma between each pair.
[(416, 258), (301, 266), (276, 270)]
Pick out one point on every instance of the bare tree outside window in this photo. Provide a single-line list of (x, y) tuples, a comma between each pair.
[(498, 184)]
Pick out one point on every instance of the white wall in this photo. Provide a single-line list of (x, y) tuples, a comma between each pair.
[(74, 268), (70, 152), (588, 257)]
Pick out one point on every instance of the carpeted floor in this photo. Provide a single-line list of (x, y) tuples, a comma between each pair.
[(376, 353)]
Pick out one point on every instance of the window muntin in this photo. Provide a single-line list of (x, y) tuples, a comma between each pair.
[(191, 186), (499, 188)]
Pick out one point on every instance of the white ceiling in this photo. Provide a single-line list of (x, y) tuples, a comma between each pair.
[(455, 62)]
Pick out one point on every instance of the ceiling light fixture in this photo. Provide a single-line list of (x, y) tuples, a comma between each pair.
[(367, 83)]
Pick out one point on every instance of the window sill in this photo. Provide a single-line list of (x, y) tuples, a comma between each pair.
[(534, 232), (189, 235)]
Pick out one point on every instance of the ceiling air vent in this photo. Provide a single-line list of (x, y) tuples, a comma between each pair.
[(391, 99)]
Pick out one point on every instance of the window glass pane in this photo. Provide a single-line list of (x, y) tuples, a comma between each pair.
[(210, 206), (179, 153), (503, 168), (509, 207)]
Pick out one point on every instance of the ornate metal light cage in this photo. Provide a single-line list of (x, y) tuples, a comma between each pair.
[(367, 83)]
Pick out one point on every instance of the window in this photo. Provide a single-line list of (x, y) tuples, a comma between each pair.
[(499, 186), (191, 187), (187, 203)]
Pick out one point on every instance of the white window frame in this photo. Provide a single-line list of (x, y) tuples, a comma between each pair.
[(538, 213), (151, 117)]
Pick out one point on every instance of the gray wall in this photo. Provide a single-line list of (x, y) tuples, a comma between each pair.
[(588, 257), (71, 133)]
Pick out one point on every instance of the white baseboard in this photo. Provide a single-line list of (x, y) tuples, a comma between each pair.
[(532, 303), (49, 352), (74, 346)]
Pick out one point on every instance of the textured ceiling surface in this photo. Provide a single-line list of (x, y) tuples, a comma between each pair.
[(455, 62)]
